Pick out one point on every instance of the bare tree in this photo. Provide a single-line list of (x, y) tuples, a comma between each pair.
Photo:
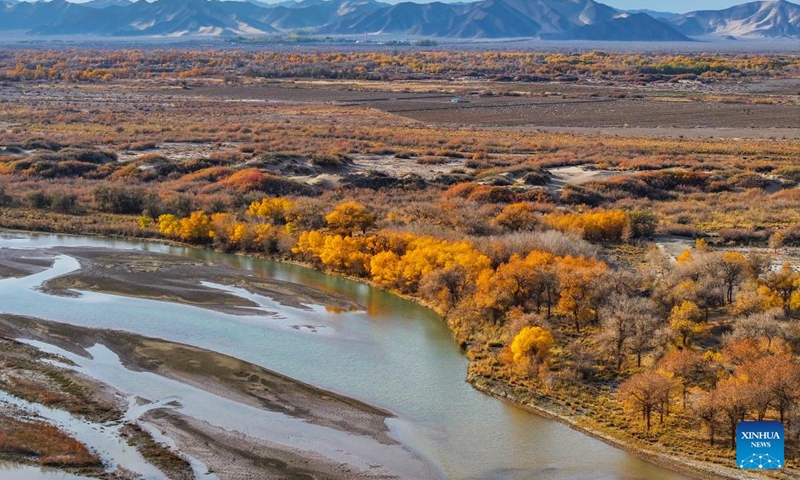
[(647, 392), (645, 325), (733, 400), (707, 410), (727, 268), (688, 368), (759, 325), (628, 324)]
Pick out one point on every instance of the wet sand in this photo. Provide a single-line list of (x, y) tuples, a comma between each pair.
[(46, 383), (229, 455), (234, 456), (176, 279), (20, 263)]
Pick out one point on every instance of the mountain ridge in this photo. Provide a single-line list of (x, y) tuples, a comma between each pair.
[(760, 19), (481, 19)]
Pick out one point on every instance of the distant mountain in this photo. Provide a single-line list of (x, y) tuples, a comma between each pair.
[(481, 19), (30, 16), (560, 15), (161, 18), (430, 19), (756, 19), (317, 13), (287, 3), (655, 14), (628, 27)]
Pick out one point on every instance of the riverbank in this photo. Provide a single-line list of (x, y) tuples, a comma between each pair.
[(636, 449), (563, 412), (699, 470), (550, 408)]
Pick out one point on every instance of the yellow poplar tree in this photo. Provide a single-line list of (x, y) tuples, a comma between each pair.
[(531, 342)]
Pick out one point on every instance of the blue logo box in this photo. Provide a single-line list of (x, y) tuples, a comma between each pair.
[(759, 445)]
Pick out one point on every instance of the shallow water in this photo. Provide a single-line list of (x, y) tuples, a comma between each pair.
[(396, 355), (12, 471), (276, 427), (104, 439), (102, 361)]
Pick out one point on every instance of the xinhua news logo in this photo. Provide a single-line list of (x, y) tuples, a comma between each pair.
[(759, 445)]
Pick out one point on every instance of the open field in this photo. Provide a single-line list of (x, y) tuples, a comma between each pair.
[(579, 107), (606, 113)]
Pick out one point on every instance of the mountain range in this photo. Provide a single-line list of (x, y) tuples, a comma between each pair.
[(482, 19)]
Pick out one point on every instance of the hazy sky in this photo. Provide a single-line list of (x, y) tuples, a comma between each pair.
[(678, 6)]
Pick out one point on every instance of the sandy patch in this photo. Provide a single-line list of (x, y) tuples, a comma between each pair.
[(577, 175)]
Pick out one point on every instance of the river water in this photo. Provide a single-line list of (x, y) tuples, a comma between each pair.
[(395, 354)]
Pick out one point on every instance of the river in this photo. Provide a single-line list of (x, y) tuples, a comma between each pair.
[(395, 354)]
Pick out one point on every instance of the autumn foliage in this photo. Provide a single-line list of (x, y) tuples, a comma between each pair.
[(531, 342)]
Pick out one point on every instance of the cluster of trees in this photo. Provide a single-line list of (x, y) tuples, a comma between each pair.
[(653, 330), (448, 274), (269, 224), (681, 297), (631, 312), (720, 332), (751, 378), (102, 65)]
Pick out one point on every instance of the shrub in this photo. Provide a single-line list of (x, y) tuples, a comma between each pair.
[(182, 205), (536, 178), (38, 200), (5, 199), (742, 236), (141, 146), (330, 160), (42, 144), (89, 156), (578, 195), (748, 180), (680, 230), (119, 200), (65, 202)]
